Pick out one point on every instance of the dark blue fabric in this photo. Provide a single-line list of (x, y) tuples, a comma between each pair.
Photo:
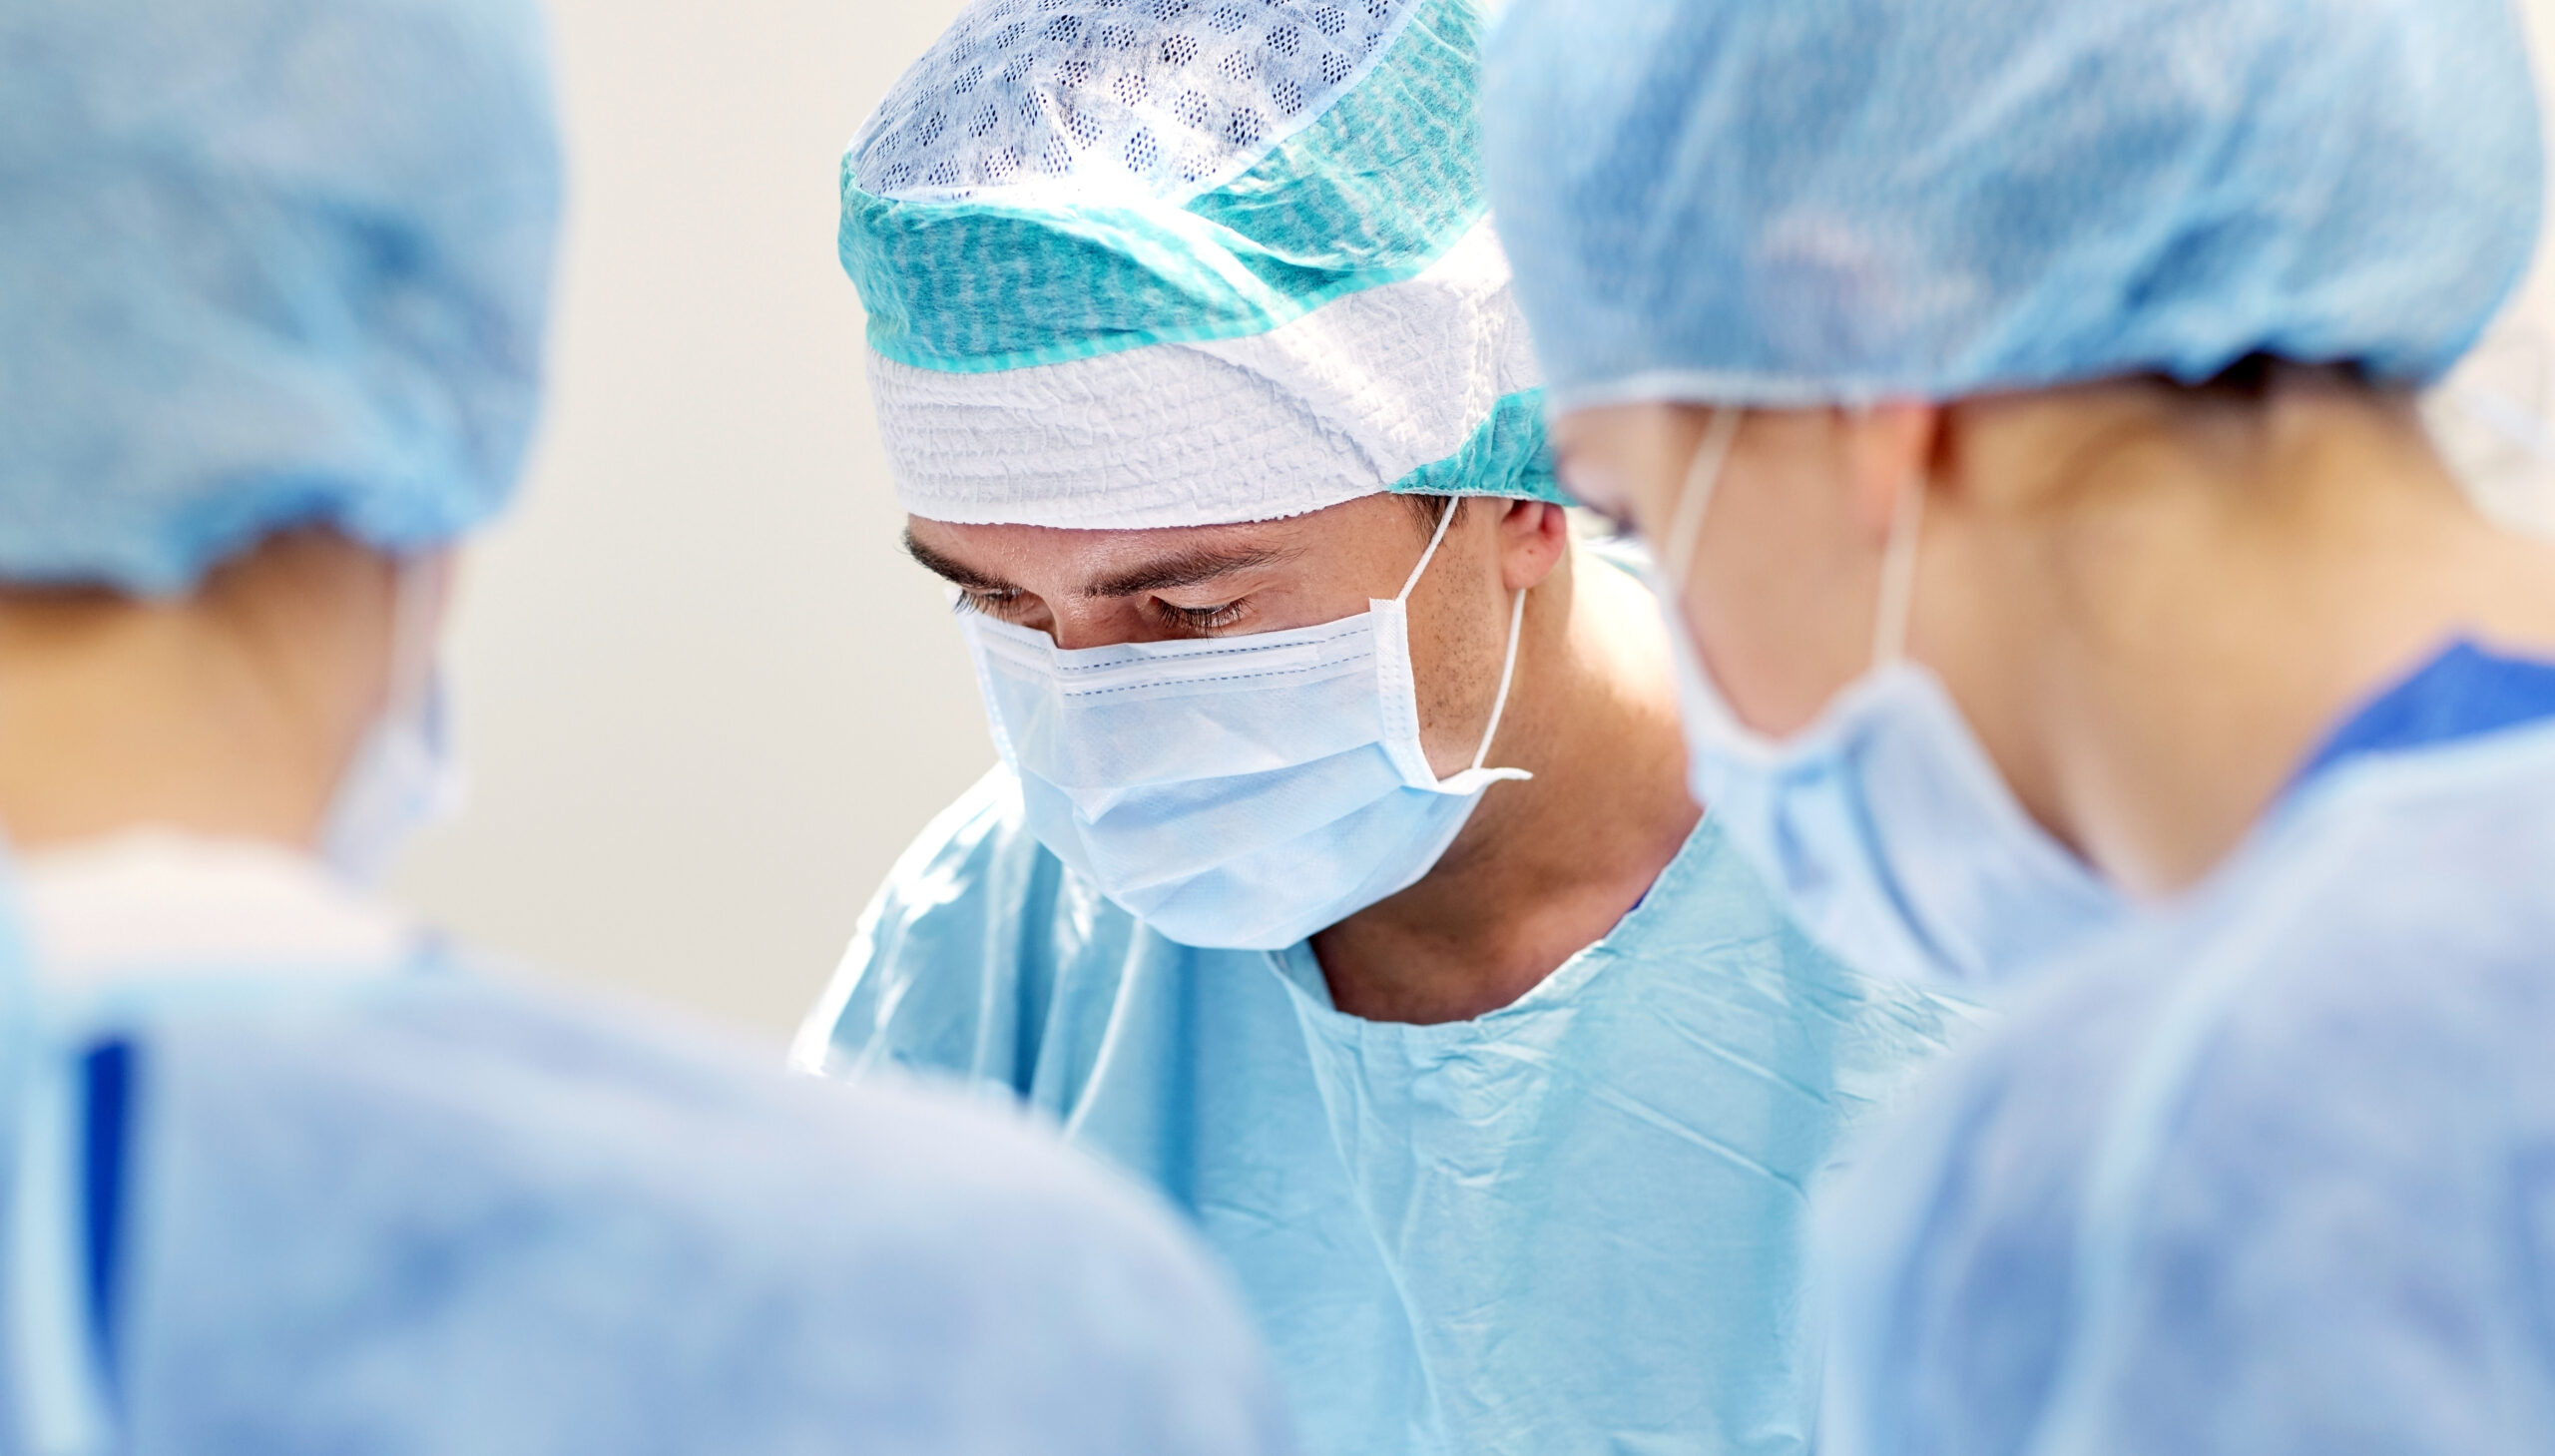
[(107, 1080), (2461, 694)]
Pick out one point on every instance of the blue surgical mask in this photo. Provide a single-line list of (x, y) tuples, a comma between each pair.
[(1883, 828), (1237, 792), (401, 780)]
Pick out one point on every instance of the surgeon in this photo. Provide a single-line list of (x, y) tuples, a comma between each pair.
[(280, 1171), (2021, 398), (1339, 876)]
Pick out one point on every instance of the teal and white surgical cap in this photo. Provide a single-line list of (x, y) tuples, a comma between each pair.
[(1841, 201), (263, 264), (1134, 264)]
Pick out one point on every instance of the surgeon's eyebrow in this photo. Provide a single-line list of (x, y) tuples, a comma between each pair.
[(956, 573), (1192, 568)]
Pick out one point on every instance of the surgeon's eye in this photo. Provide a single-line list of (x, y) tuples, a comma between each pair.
[(1203, 621), (992, 604)]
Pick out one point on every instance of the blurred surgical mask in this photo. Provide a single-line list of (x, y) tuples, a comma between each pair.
[(1883, 826), (1236, 793), (403, 775)]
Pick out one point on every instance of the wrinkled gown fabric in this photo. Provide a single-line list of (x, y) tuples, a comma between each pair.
[(1575, 1224), (390, 1209), (2271, 1174)]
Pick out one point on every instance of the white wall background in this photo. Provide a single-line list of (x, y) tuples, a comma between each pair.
[(704, 699)]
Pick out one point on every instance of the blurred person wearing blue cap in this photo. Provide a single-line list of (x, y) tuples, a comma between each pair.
[(2021, 399), (1337, 875), (284, 1172)]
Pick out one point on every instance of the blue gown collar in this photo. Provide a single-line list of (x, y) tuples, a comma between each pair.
[(2463, 693)]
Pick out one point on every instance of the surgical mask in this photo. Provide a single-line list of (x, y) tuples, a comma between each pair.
[(1883, 828), (402, 777), (1236, 793)]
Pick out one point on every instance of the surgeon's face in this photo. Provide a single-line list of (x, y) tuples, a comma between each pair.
[(1784, 583), (1091, 589)]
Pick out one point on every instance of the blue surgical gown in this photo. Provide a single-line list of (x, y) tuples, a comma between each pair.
[(1575, 1224), (401, 1211), (2271, 1174)]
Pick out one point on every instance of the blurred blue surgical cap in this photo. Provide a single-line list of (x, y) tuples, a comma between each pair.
[(264, 263), (1806, 201)]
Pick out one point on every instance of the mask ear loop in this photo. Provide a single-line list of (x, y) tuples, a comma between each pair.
[(417, 591), (1443, 521), (1899, 574), (1507, 675), (1516, 630), (1686, 527)]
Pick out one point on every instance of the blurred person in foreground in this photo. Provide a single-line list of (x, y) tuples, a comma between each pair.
[(1339, 875), (285, 1173), (2021, 398)]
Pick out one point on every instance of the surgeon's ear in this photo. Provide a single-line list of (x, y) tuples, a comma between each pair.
[(1887, 448), (1533, 538)]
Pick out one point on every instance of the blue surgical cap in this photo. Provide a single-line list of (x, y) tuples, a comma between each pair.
[(263, 264), (1840, 201)]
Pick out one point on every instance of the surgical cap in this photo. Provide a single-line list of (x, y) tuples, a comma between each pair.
[(1170, 263), (263, 264), (1840, 201)]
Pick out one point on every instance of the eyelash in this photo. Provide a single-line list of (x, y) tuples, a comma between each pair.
[(1199, 620), (988, 603), (1204, 618)]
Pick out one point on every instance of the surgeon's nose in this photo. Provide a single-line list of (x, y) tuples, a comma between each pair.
[(1086, 623), (1101, 622)]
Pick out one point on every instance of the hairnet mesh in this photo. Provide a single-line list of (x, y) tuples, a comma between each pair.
[(265, 263), (1840, 200), (1160, 96), (1171, 262)]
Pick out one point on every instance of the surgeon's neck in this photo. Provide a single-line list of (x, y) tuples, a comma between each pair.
[(229, 711), (1546, 867), (2152, 632)]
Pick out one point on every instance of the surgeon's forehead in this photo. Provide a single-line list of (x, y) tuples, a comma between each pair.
[(1109, 563)]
